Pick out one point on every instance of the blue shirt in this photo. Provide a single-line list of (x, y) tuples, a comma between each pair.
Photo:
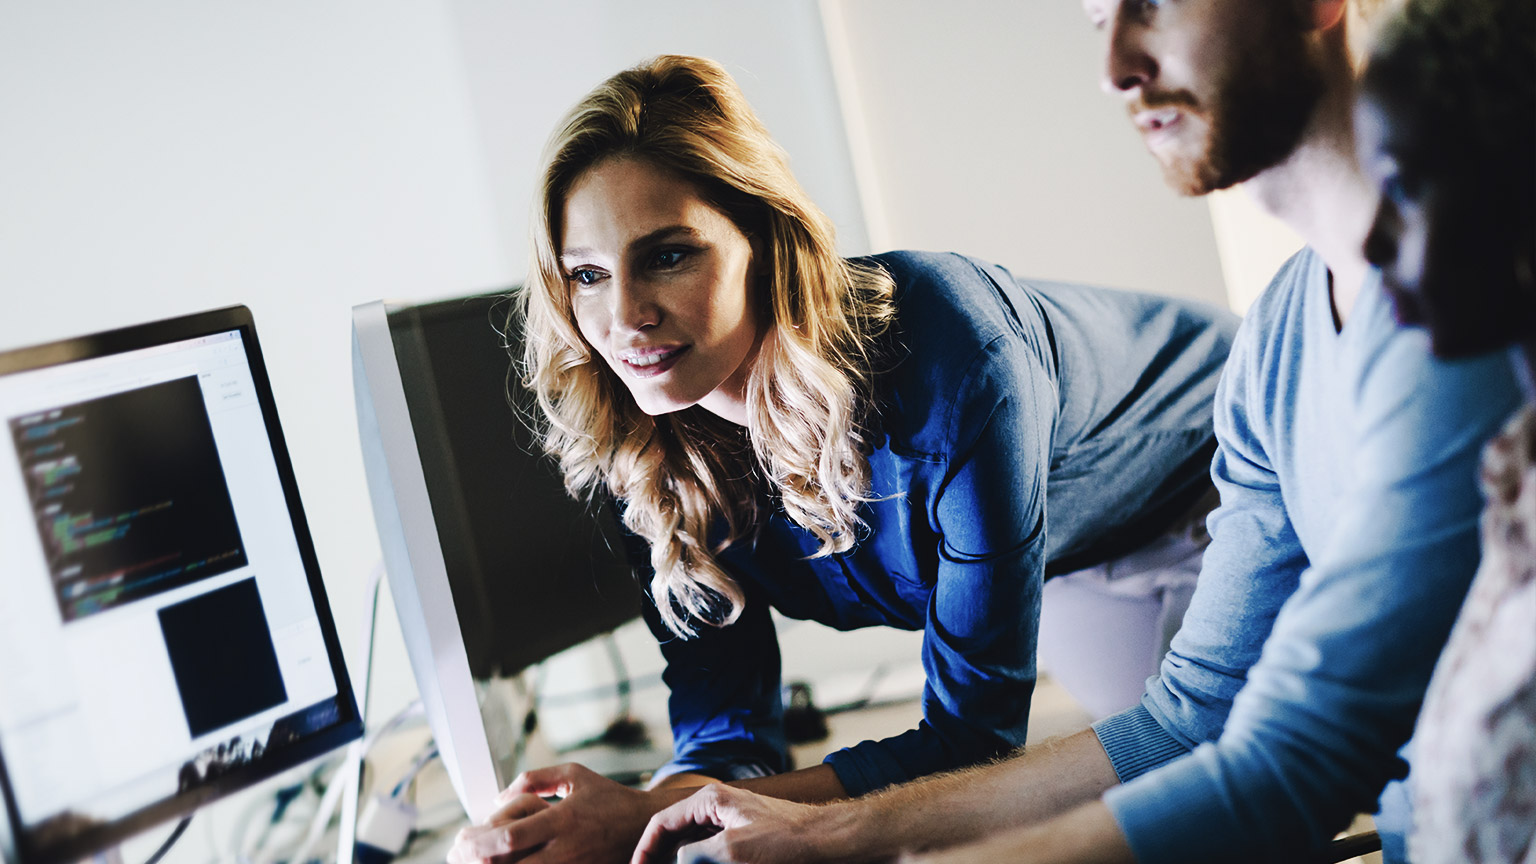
[(1344, 544), (1019, 424)]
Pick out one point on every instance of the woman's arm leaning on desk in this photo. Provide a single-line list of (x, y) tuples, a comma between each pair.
[(932, 813)]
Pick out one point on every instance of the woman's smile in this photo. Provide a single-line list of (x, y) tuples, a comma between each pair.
[(650, 362)]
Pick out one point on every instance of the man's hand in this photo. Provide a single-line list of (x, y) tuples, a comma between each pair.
[(596, 821), (726, 824)]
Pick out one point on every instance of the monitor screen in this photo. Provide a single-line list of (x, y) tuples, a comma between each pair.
[(164, 634)]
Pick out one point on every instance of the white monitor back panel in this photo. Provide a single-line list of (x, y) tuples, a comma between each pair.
[(413, 561)]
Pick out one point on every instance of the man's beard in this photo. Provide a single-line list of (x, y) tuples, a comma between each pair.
[(1261, 109)]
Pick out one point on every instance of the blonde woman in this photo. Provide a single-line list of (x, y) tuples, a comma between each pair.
[(915, 440)]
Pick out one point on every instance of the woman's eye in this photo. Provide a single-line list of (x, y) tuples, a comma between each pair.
[(585, 277)]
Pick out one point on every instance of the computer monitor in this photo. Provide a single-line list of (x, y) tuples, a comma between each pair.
[(164, 634), (492, 565)]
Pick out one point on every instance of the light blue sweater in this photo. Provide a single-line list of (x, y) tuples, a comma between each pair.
[(1344, 544)]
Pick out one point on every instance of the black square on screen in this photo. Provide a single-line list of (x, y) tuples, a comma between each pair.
[(222, 654)]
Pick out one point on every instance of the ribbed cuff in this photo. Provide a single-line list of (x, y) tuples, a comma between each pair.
[(1136, 743)]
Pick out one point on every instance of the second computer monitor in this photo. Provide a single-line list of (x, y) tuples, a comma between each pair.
[(493, 566)]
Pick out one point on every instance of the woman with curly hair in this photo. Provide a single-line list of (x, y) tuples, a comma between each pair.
[(1447, 128), (914, 440)]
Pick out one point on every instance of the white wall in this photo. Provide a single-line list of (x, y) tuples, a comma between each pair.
[(988, 134), (1253, 245), (299, 156), (528, 62)]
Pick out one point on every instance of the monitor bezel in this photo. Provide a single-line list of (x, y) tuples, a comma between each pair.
[(15, 842)]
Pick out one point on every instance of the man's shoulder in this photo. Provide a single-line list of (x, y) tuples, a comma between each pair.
[(1274, 327), (1282, 300)]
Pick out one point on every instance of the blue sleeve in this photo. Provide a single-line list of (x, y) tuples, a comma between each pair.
[(1313, 738), (1251, 566), (727, 714), (982, 617)]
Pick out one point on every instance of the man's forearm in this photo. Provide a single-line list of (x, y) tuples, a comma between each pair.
[(1044, 781), (1085, 835)]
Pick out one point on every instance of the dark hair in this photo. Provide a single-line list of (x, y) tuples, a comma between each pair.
[(1471, 67)]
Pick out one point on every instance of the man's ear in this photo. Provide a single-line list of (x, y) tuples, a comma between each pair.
[(1321, 15)]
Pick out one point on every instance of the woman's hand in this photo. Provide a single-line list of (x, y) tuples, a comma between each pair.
[(596, 821), (726, 824)]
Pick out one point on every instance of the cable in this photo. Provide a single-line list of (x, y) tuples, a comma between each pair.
[(876, 675), (620, 672), (530, 721), (170, 841), (599, 691), (346, 774), (350, 777), (281, 803), (423, 759), (333, 792)]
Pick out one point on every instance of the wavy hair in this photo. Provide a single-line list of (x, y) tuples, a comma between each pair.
[(688, 482)]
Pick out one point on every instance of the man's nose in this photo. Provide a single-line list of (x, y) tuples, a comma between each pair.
[(1127, 63)]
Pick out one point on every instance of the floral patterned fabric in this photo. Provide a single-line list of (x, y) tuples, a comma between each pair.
[(1474, 774)]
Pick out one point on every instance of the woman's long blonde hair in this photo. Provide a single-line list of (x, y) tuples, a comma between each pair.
[(690, 483)]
